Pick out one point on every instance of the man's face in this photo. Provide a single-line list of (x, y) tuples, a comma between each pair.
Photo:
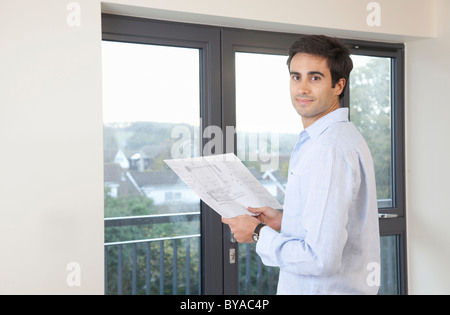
[(312, 93)]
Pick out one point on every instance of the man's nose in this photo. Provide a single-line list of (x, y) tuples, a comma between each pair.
[(303, 87)]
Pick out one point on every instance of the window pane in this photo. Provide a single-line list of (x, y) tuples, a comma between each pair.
[(389, 266), (267, 125), (151, 106), (370, 111), (267, 130)]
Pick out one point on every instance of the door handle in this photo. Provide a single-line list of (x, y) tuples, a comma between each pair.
[(387, 216)]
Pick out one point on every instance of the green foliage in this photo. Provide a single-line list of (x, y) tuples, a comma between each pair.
[(146, 261), (254, 277), (142, 264), (370, 111), (128, 205), (152, 139)]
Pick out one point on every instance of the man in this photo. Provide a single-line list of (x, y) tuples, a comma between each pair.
[(326, 241)]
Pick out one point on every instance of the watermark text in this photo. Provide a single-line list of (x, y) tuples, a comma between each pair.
[(262, 147), (374, 17)]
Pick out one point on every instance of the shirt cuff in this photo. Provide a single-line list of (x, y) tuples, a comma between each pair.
[(263, 246)]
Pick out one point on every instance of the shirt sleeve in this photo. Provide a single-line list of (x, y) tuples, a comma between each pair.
[(313, 234)]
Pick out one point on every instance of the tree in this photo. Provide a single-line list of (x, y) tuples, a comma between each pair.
[(370, 111), (148, 260)]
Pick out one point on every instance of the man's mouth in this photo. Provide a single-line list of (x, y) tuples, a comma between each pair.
[(304, 100)]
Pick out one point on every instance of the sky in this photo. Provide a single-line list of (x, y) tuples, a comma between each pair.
[(161, 84), (157, 83), (150, 83)]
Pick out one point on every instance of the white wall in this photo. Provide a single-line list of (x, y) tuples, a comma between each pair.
[(401, 19), (51, 164), (428, 159), (51, 186)]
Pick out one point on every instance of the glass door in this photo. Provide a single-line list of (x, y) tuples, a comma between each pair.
[(165, 84), (375, 103), (371, 112), (267, 129), (152, 219), (160, 91), (258, 105)]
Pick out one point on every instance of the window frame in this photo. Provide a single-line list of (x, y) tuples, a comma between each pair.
[(396, 53), (236, 40), (217, 47), (207, 40), (395, 225), (250, 41)]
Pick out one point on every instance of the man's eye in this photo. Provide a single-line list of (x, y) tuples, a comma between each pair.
[(295, 77), (315, 78)]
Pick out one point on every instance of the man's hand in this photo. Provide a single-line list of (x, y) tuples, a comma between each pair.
[(242, 227), (268, 216)]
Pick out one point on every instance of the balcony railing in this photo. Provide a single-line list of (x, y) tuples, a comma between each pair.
[(171, 265), (164, 265)]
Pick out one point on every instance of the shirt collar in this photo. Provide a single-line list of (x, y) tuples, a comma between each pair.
[(318, 127)]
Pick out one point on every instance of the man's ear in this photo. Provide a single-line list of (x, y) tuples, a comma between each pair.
[(340, 86)]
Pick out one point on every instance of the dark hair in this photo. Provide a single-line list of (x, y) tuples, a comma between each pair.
[(336, 52)]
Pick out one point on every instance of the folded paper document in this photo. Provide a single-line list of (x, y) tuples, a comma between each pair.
[(223, 183)]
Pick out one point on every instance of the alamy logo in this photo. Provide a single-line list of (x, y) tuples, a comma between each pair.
[(261, 147), (374, 17), (74, 16), (374, 277), (73, 279)]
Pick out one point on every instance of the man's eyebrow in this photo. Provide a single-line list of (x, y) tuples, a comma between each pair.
[(309, 73), (316, 73)]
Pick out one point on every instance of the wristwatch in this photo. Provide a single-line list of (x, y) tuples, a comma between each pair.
[(255, 235)]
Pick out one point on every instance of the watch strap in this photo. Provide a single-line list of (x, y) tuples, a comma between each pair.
[(258, 228)]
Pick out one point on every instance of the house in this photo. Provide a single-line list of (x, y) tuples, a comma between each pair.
[(165, 187)]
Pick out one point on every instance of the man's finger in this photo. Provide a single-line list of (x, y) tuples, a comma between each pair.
[(227, 220), (256, 211)]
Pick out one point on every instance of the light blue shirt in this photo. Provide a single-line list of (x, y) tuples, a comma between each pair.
[(329, 241)]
